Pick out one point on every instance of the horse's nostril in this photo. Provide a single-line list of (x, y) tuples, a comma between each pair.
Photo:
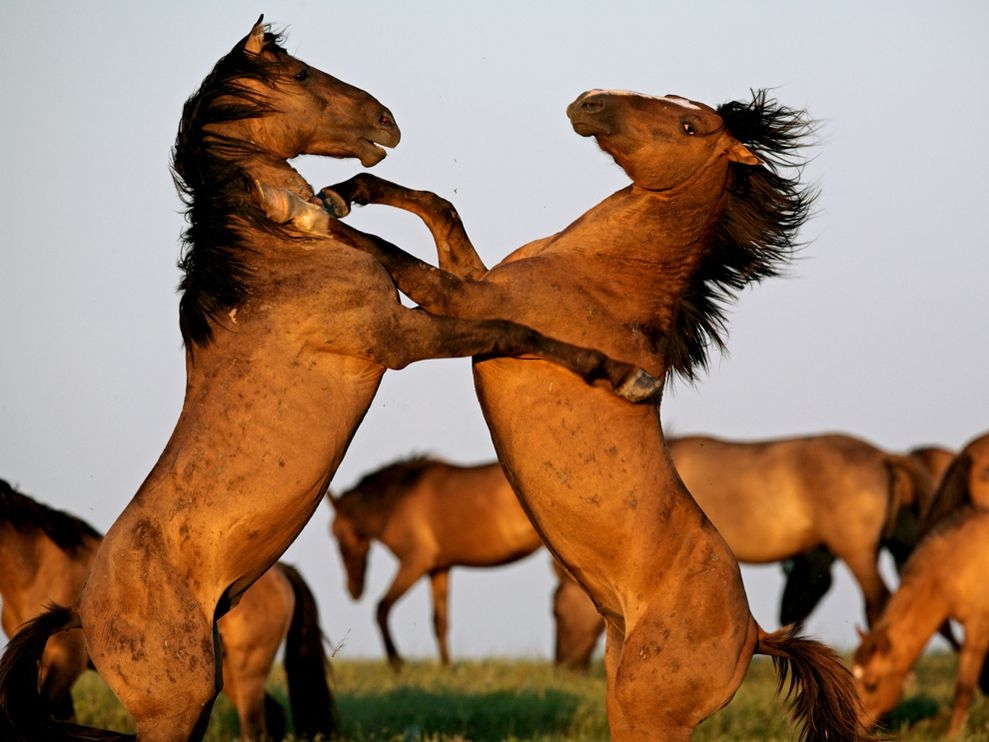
[(593, 105), (386, 121)]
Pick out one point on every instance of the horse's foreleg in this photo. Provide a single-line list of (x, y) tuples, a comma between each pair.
[(425, 335), (454, 249), (970, 660), (439, 584), (405, 578)]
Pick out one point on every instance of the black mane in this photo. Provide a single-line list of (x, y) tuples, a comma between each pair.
[(391, 478), (756, 232), (214, 187), (25, 515)]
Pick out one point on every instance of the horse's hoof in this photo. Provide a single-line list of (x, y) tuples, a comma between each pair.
[(640, 387), (334, 203)]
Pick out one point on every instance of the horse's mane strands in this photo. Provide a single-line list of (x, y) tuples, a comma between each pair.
[(756, 232), (26, 515), (212, 185), (389, 480)]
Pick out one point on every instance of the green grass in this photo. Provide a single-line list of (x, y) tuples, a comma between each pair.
[(516, 700)]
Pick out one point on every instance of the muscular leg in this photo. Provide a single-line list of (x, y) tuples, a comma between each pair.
[(455, 251), (451, 336)]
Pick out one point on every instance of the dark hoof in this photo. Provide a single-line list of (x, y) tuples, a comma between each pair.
[(334, 203)]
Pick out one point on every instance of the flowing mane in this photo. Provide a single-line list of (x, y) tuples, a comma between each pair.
[(25, 515), (756, 231), (212, 182)]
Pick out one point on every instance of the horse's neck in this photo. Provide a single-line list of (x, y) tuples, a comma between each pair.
[(370, 514), (911, 617)]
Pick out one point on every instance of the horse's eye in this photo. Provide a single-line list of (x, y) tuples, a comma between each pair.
[(302, 74), (688, 128)]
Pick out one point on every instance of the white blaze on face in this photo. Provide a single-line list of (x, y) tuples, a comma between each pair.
[(682, 102), (857, 672), (674, 99)]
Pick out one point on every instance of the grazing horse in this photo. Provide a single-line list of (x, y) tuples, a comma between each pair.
[(432, 516), (944, 578), (714, 204), (287, 336), (45, 555)]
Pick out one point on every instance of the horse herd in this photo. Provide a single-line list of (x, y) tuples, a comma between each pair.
[(290, 317)]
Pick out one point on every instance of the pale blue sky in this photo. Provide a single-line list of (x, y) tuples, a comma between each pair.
[(880, 330)]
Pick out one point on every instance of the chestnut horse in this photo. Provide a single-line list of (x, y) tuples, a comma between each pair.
[(45, 555), (432, 516), (944, 578), (714, 204), (287, 336)]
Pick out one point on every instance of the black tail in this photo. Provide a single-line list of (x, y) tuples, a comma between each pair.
[(24, 716), (314, 711)]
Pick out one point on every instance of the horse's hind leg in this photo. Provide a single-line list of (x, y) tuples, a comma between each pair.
[(156, 651), (439, 584), (864, 567)]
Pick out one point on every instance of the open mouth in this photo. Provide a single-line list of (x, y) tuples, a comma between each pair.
[(371, 150)]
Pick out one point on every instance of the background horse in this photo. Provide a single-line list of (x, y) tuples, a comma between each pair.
[(773, 500), (432, 516), (965, 481), (807, 500), (944, 578), (44, 557), (713, 205), (287, 337), (808, 576)]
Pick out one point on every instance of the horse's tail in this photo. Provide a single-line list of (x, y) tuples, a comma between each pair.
[(910, 485), (314, 711), (820, 693), (24, 716)]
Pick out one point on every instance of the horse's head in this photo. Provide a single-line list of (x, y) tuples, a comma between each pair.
[(354, 547), (310, 112), (877, 679), (659, 142)]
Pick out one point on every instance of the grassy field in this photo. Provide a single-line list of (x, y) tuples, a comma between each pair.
[(523, 700)]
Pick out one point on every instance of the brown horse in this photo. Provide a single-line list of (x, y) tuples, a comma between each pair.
[(45, 555), (287, 337), (432, 515), (714, 204), (944, 578), (777, 499)]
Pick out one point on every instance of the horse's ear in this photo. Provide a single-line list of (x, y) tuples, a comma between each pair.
[(861, 634), (738, 152), (331, 499), (255, 39)]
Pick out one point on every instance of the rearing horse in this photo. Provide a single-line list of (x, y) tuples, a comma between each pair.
[(642, 275), (287, 336)]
